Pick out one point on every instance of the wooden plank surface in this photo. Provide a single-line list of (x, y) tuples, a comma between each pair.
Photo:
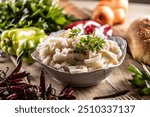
[(116, 82), (72, 9)]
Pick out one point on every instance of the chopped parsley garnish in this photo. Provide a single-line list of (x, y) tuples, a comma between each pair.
[(74, 32), (87, 43), (91, 43)]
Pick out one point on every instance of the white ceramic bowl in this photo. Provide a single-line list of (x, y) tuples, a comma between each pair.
[(84, 79)]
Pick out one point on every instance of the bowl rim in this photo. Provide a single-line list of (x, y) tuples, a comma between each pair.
[(106, 68)]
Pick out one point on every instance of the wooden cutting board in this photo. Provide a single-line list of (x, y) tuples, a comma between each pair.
[(116, 82)]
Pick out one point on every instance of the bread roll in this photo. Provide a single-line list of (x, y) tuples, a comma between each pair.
[(138, 37)]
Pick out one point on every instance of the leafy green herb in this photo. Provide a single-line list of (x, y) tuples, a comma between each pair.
[(91, 43), (74, 32), (37, 13), (140, 79)]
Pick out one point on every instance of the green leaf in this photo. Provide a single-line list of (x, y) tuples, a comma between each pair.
[(75, 32), (146, 91), (138, 81), (134, 70), (145, 75), (61, 20)]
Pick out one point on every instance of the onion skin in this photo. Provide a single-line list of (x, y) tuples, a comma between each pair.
[(111, 12), (104, 15)]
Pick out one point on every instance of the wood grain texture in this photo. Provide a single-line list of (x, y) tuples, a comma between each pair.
[(72, 9)]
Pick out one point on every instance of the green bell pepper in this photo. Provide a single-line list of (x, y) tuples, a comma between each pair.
[(22, 42)]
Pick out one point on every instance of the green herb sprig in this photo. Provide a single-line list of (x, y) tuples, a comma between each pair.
[(140, 79), (91, 43), (74, 32)]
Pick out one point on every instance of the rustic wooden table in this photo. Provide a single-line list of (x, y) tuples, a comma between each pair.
[(116, 82)]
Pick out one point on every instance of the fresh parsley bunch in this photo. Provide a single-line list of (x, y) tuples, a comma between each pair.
[(74, 32), (37, 13), (140, 79)]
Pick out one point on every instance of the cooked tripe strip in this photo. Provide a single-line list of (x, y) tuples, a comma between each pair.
[(58, 42), (66, 50), (43, 53), (64, 64), (90, 62), (97, 65), (46, 60), (91, 54), (57, 66), (77, 69), (59, 57), (107, 45), (76, 56), (111, 56), (115, 48), (65, 34)]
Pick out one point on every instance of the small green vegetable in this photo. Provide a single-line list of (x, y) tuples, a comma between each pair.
[(21, 42), (140, 79)]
